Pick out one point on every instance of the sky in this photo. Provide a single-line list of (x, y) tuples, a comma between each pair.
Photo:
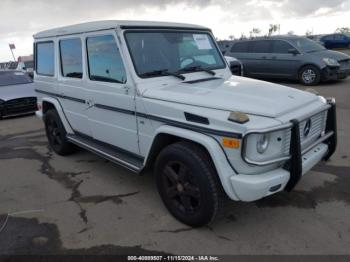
[(20, 19)]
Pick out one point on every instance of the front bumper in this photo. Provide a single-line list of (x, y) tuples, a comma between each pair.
[(18, 107), (254, 187), (335, 73)]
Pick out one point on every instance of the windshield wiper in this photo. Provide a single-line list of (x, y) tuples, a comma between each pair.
[(163, 72), (197, 69)]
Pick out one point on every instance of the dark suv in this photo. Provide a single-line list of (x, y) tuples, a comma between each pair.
[(290, 57)]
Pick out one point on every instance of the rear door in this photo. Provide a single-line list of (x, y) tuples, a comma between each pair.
[(253, 55), (72, 88), (259, 52)]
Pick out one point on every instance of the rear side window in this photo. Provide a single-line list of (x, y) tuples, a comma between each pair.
[(105, 62), (45, 58), (71, 58), (261, 46), (240, 47), (281, 47)]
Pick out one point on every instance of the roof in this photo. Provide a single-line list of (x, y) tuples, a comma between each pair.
[(111, 24), (274, 37)]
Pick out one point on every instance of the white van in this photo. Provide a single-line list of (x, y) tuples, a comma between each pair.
[(161, 96)]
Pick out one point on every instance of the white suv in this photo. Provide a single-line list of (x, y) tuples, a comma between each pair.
[(160, 95)]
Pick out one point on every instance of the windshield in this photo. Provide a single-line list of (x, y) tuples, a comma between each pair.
[(306, 45), (8, 78), (174, 52)]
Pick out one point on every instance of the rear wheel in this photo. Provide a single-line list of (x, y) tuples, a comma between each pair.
[(188, 184), (310, 75), (56, 134)]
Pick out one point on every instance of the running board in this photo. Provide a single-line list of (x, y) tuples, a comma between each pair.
[(109, 152)]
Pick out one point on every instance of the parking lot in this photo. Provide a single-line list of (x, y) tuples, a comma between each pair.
[(83, 204)]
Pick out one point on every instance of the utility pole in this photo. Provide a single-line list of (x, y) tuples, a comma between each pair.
[(12, 46)]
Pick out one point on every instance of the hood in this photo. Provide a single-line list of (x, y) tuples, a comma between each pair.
[(17, 91), (235, 94), (339, 56)]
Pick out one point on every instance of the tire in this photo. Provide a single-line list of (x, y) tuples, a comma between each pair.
[(188, 184), (310, 75), (56, 134)]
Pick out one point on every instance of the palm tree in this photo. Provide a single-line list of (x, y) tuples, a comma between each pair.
[(274, 28), (254, 32)]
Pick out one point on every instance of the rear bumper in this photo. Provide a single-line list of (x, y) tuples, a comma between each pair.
[(254, 187)]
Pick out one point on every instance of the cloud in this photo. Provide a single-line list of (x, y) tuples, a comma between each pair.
[(24, 15), (22, 18)]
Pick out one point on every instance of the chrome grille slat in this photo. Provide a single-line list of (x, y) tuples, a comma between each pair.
[(317, 127)]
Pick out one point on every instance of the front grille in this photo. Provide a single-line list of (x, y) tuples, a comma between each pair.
[(344, 64), (19, 106), (318, 125)]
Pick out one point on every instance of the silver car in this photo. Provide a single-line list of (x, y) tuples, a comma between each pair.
[(17, 95), (290, 57)]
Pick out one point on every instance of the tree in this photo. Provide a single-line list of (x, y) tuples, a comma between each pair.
[(290, 33), (309, 32), (254, 32), (274, 28), (343, 30), (243, 36), (231, 37)]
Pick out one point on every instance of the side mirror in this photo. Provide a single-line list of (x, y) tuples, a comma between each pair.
[(293, 51)]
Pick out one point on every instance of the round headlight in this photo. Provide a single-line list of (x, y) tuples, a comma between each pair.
[(262, 143)]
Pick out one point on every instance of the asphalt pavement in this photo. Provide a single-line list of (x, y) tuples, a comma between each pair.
[(83, 204)]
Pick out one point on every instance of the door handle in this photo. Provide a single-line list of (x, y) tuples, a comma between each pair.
[(126, 89)]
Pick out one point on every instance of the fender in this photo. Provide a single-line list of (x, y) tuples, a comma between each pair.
[(214, 149), (58, 107)]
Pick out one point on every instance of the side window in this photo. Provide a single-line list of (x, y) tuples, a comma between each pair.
[(260, 46), (240, 47), (45, 58), (104, 60), (338, 37), (71, 58), (281, 47)]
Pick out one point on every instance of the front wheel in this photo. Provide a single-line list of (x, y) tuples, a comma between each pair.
[(188, 184), (310, 75), (56, 134)]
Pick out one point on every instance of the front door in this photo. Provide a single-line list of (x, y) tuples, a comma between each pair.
[(111, 103), (282, 63)]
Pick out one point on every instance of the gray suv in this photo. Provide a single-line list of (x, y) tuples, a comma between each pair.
[(290, 57)]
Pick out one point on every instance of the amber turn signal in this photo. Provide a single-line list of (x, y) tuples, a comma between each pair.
[(230, 142)]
